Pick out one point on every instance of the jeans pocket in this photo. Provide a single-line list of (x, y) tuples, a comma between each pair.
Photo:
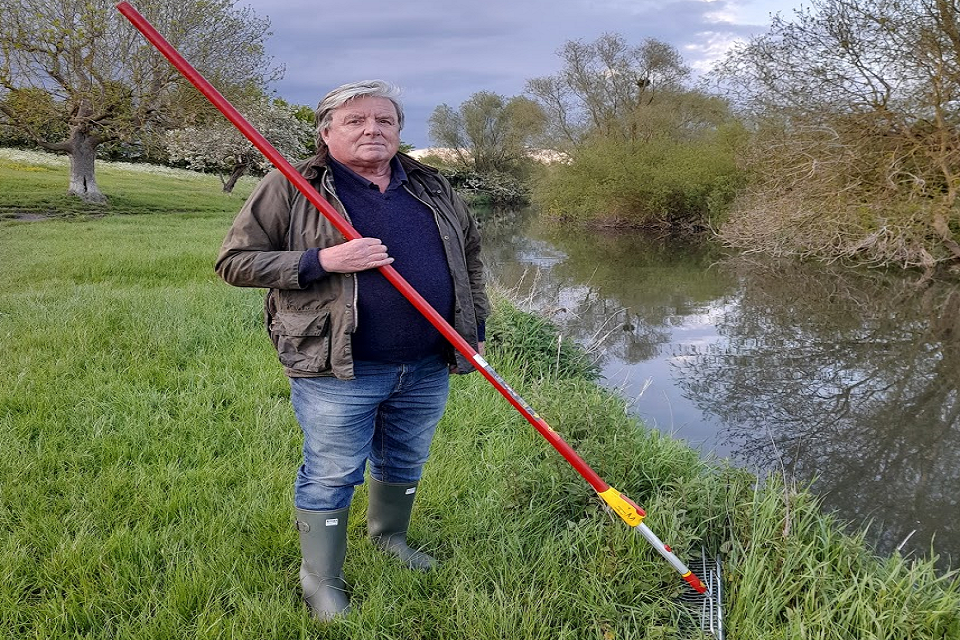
[(302, 339)]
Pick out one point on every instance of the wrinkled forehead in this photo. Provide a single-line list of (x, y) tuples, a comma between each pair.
[(366, 106)]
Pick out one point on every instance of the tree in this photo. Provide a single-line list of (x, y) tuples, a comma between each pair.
[(858, 147), (644, 150), (75, 74), (488, 133), (604, 85), (220, 147)]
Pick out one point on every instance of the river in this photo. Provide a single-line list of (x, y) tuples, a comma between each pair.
[(844, 380)]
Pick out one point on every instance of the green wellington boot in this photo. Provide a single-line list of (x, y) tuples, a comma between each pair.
[(323, 545), (388, 516)]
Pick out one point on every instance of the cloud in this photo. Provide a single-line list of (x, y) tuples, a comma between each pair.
[(443, 52)]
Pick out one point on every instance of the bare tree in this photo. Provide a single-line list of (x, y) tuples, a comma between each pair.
[(858, 150), (75, 74), (603, 84)]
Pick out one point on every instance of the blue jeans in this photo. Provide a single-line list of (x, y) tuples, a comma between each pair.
[(387, 415)]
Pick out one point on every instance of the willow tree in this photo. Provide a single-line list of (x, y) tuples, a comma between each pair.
[(74, 74), (488, 132), (858, 150)]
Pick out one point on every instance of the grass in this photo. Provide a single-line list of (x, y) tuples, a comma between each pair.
[(35, 184), (149, 451)]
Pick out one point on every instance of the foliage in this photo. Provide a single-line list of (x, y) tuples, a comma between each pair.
[(306, 115), (33, 104), (220, 147), (642, 149), (488, 133), (498, 189), (659, 182), (75, 74), (856, 149)]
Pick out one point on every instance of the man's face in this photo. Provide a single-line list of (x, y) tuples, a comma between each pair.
[(364, 133)]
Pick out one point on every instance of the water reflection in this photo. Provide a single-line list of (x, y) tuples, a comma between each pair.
[(851, 380)]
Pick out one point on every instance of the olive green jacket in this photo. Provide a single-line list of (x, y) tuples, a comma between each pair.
[(311, 325)]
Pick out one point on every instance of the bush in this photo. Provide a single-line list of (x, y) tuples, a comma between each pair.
[(670, 184), (497, 189)]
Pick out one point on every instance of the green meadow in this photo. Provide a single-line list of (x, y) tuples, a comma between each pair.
[(147, 453)]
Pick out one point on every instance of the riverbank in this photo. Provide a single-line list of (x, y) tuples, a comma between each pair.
[(845, 378), (149, 450)]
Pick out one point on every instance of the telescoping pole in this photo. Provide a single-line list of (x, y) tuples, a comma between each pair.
[(628, 511)]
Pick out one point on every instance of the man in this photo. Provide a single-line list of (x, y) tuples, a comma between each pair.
[(368, 373)]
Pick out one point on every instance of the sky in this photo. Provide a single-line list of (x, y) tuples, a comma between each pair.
[(444, 51)]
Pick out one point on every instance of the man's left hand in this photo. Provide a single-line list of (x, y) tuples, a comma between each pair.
[(481, 349)]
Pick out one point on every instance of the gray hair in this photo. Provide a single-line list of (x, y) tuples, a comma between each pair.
[(323, 116)]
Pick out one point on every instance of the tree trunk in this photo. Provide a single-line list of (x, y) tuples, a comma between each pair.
[(942, 227), (239, 170), (82, 148)]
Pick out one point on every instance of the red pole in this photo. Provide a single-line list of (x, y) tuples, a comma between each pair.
[(624, 507), (344, 227)]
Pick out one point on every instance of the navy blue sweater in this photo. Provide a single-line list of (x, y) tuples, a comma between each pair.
[(389, 328)]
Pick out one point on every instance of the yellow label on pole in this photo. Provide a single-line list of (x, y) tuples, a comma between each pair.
[(623, 507)]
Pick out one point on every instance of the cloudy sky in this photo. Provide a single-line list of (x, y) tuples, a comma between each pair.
[(443, 51)]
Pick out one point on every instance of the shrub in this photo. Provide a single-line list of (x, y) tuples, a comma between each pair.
[(487, 188), (656, 182)]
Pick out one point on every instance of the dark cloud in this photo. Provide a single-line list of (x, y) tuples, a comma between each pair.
[(442, 52)]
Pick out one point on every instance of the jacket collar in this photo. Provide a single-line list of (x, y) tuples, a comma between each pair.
[(317, 165)]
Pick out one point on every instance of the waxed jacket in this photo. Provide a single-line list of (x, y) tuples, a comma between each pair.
[(311, 326)]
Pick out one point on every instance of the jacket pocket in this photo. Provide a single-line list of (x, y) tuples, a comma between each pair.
[(302, 339)]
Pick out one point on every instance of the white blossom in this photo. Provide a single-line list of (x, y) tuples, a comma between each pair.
[(221, 148)]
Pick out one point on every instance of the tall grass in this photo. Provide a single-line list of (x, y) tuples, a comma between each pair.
[(148, 452)]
